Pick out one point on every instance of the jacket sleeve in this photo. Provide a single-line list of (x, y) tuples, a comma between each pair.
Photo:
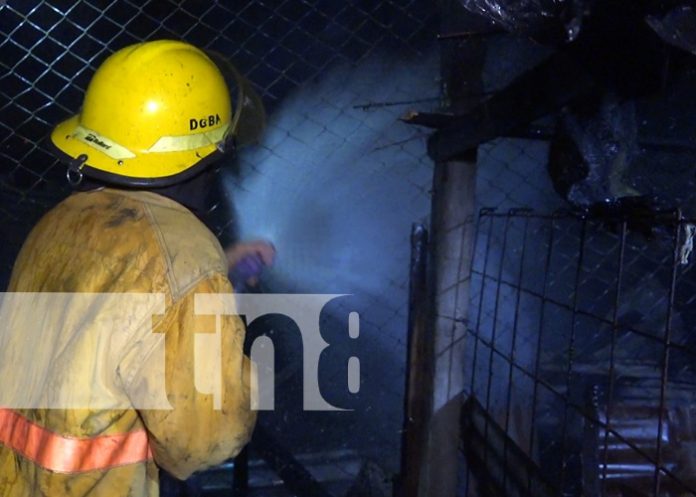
[(196, 434)]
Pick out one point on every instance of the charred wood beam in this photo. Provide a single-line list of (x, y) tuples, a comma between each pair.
[(532, 132), (419, 374), (459, 35), (543, 90)]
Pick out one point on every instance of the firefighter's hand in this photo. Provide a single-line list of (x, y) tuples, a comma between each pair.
[(246, 261)]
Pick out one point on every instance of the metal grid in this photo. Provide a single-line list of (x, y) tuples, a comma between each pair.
[(573, 333), (347, 134), (50, 49), (579, 352)]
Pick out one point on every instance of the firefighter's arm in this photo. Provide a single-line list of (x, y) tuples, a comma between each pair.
[(196, 434)]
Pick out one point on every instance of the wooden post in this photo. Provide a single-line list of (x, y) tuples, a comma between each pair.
[(451, 249), (419, 372)]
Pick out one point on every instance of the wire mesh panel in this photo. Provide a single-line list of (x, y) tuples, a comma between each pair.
[(579, 357), (50, 50)]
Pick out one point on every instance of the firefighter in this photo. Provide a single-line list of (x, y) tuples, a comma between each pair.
[(155, 116)]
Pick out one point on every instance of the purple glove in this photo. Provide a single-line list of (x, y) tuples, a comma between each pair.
[(246, 272)]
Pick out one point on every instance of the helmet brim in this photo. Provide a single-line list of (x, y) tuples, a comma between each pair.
[(162, 168)]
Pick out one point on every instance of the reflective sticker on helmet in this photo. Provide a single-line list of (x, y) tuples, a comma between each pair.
[(102, 143), (190, 142)]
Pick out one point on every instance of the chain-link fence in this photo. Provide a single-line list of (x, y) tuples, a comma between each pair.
[(335, 182)]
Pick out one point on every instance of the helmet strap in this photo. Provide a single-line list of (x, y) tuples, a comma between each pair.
[(74, 173)]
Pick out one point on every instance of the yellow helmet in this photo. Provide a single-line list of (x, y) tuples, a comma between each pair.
[(154, 114)]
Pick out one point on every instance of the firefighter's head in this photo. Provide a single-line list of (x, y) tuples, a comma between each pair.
[(154, 114)]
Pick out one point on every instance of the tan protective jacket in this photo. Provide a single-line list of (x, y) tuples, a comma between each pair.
[(108, 242)]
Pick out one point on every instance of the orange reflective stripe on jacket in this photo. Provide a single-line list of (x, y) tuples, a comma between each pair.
[(67, 454)]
